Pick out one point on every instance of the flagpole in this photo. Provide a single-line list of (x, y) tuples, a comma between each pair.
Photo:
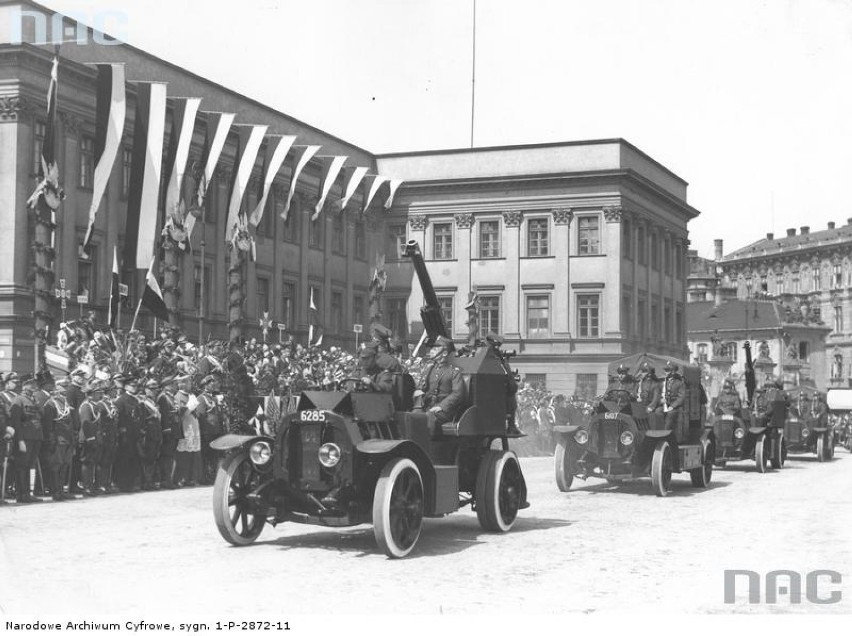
[(136, 315), (473, 77)]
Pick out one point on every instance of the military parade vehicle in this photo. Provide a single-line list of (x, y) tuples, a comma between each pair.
[(623, 441), (349, 457), (839, 403), (751, 434), (806, 429)]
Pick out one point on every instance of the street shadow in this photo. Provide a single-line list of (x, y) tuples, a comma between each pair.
[(678, 488), (438, 537), (749, 467)]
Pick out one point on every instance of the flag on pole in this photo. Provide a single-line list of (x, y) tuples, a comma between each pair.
[(184, 113), (313, 322), (48, 192), (110, 115), (372, 184), (153, 297), (352, 178), (278, 157), (330, 169), (114, 293), (251, 137), (303, 155), (218, 125), (145, 168)]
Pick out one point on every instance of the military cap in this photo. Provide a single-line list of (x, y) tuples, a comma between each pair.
[(152, 384), (93, 386), (380, 332), (9, 433), (622, 368), (728, 382), (647, 367), (61, 383), (28, 379), (670, 367), (446, 343), (779, 382), (11, 376), (494, 338)]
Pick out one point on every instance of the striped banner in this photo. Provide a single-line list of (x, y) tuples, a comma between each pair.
[(145, 170), (373, 183), (330, 169), (353, 178), (305, 154), (394, 186), (111, 111), (275, 163), (184, 113), (251, 137), (218, 125)]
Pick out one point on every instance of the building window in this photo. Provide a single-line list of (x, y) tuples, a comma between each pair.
[(730, 351), (360, 240), (815, 286), (764, 286), (538, 316), (587, 386), (397, 320), (86, 276), (626, 239), (442, 236), (536, 380), (489, 239), (838, 319), (358, 310), (39, 133), (589, 235), (87, 162), (642, 314), (446, 303), (796, 287), (641, 247), (538, 243), (489, 315), (838, 276), (804, 351), (338, 238), (315, 232), (702, 352), (588, 315), (202, 305), (291, 223), (655, 252), (262, 296), (779, 284), (395, 246), (288, 304), (337, 312)]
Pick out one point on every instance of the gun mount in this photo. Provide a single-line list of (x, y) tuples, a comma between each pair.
[(430, 312)]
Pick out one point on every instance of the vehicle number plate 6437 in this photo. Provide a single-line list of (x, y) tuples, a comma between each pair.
[(312, 416)]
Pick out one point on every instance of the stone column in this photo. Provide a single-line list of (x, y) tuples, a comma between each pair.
[(512, 221), (612, 290), (561, 309), (464, 223)]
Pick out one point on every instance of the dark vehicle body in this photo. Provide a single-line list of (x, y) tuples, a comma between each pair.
[(622, 441), (746, 436), (348, 457), (805, 429)]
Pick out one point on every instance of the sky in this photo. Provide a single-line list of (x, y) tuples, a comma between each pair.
[(749, 101)]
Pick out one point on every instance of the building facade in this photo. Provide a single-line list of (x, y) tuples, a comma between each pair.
[(576, 251)]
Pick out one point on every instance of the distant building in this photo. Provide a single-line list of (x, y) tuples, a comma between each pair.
[(577, 251)]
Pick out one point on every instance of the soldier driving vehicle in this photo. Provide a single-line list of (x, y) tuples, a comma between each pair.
[(745, 434), (347, 457), (624, 441), (806, 428)]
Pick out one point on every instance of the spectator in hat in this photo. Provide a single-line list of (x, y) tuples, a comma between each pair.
[(25, 419), (442, 386)]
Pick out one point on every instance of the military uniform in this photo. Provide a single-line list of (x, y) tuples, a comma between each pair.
[(6, 453), (729, 402), (90, 438), (150, 441), (109, 445), (128, 416), (211, 425), (648, 392), (25, 419), (674, 398), (443, 386), (75, 398), (171, 428), (58, 431)]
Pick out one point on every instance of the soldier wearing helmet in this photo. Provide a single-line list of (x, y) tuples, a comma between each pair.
[(648, 392), (441, 386), (674, 394), (729, 401)]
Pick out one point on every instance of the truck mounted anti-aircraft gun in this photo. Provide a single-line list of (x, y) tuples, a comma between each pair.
[(353, 456)]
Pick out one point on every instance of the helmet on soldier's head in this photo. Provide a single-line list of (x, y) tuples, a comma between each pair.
[(622, 368), (779, 382), (445, 343), (670, 367)]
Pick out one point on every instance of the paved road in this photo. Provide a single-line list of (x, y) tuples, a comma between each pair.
[(596, 548)]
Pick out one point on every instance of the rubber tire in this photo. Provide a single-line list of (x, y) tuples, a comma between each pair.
[(820, 448), (701, 476), (661, 469), (562, 466), (489, 489), (382, 509), (221, 495), (760, 459), (777, 459)]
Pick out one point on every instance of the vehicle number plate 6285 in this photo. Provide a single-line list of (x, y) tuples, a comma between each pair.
[(312, 416)]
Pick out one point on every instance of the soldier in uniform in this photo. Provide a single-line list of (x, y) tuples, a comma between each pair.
[(648, 388), (385, 358), (128, 419), (729, 401), (109, 439), (171, 426), (25, 419), (442, 386), (374, 377), (623, 381), (75, 397), (674, 394), (91, 436), (58, 429), (211, 425), (5, 437), (496, 342), (151, 435)]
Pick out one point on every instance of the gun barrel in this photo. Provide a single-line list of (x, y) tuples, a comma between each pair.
[(433, 319)]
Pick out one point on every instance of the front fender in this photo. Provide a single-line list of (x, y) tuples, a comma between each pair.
[(657, 434), (819, 430), (757, 430), (231, 440), (563, 429)]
